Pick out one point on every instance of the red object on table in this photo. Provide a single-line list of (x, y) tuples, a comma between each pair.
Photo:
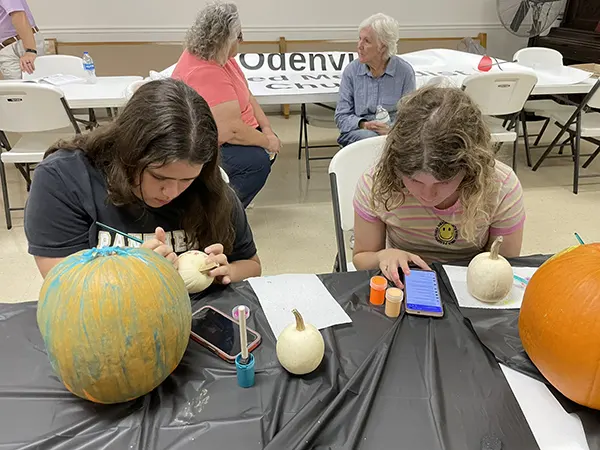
[(485, 64)]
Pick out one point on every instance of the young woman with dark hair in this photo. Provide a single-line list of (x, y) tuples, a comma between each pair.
[(152, 173)]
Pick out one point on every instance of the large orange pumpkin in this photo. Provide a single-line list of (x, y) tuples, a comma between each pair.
[(559, 323), (115, 321)]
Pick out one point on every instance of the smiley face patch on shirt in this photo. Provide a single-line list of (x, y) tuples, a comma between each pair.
[(446, 233)]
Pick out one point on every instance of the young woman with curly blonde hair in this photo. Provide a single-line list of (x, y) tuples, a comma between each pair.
[(438, 193)]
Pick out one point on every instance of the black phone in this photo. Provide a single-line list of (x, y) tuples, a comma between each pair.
[(220, 333)]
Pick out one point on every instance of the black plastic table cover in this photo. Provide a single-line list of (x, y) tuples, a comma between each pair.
[(498, 330), (412, 383)]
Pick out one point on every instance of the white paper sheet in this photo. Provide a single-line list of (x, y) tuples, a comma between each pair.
[(280, 294), (552, 426), (62, 80), (458, 279)]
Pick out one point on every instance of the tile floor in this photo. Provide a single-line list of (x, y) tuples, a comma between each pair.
[(292, 218)]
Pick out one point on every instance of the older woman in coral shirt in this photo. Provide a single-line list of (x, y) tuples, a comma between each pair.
[(248, 144)]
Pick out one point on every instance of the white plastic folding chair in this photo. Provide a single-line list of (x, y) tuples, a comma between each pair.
[(133, 87), (580, 122), (545, 59), (41, 115), (54, 64), (320, 115), (502, 94), (48, 65), (345, 169), (224, 175)]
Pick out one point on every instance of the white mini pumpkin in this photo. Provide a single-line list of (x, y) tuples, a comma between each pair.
[(490, 275), (194, 270), (300, 347)]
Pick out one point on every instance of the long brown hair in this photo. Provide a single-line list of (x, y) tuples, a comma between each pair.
[(440, 131), (163, 122)]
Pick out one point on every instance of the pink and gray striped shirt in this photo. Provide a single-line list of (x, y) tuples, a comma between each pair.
[(433, 233)]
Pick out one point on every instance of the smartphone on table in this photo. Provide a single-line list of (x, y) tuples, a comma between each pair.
[(422, 293), (220, 333)]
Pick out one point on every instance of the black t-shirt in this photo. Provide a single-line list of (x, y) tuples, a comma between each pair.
[(68, 195)]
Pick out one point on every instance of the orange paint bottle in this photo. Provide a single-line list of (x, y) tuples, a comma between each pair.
[(378, 287)]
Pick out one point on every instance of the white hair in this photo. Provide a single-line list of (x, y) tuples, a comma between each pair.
[(387, 30), (216, 27)]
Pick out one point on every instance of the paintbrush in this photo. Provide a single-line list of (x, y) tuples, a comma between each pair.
[(132, 238)]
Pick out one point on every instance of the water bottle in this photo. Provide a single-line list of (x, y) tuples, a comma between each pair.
[(89, 68), (382, 116)]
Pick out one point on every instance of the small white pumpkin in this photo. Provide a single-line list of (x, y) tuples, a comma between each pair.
[(300, 347), (194, 270), (490, 275)]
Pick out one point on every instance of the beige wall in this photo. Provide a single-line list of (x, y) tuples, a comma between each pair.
[(137, 58), (140, 58), (267, 20)]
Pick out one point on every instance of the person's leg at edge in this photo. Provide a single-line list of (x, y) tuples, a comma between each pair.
[(10, 62), (354, 136), (248, 168)]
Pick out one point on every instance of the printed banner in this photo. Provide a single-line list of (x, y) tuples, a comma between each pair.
[(294, 73), (271, 74), (297, 74)]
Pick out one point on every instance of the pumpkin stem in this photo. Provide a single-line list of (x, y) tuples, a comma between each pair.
[(496, 247), (299, 320)]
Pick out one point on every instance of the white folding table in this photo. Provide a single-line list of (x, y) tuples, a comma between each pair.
[(452, 65), (107, 92)]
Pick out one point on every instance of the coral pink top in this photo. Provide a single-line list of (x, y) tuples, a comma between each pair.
[(216, 84)]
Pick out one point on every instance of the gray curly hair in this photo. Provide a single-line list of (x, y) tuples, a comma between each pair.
[(387, 30), (216, 27)]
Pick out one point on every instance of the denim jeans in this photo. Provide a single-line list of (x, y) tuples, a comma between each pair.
[(355, 135), (247, 167)]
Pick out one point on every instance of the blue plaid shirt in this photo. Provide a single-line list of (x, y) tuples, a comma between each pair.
[(360, 93)]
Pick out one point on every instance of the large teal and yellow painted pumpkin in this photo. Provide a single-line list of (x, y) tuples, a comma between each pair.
[(115, 321)]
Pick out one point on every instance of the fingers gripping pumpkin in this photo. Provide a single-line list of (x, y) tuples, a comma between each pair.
[(194, 270)]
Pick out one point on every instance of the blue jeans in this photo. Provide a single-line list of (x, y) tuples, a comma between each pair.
[(354, 136), (247, 167)]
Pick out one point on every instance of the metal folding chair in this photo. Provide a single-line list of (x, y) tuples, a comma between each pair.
[(316, 118), (580, 124)]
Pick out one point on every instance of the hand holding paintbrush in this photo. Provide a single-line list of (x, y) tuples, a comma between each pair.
[(157, 244)]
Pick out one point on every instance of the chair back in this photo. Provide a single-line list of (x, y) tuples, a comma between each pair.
[(224, 175), (321, 115), (133, 87), (345, 170), (32, 107), (539, 58), (498, 93), (594, 96), (54, 64)]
